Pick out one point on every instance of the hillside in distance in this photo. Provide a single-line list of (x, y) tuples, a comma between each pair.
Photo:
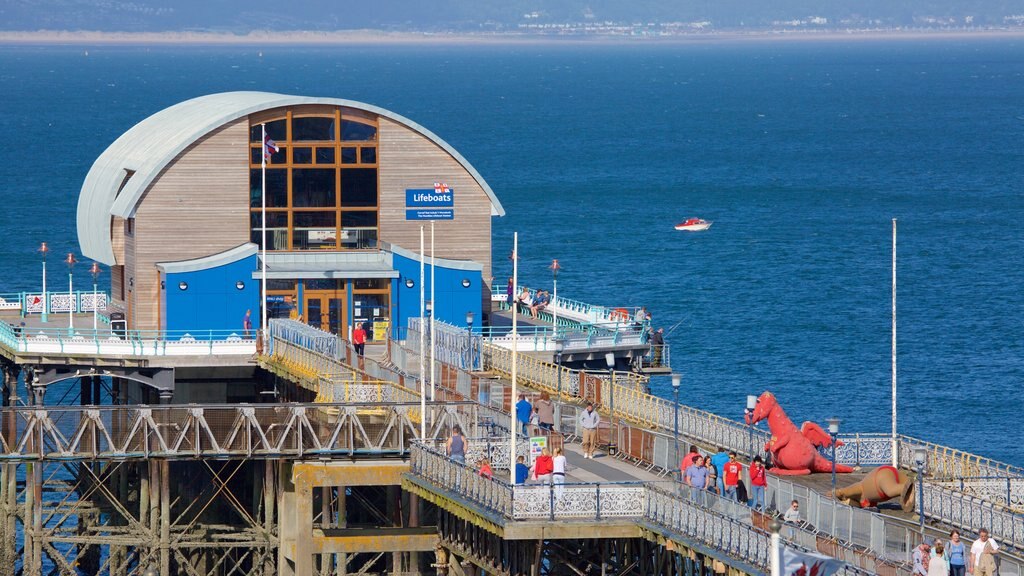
[(241, 17)]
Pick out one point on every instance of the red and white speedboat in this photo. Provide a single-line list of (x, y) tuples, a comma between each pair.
[(694, 225)]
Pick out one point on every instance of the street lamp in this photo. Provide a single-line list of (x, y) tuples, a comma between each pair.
[(751, 405), (920, 459), (677, 380), (555, 267), (95, 271), (70, 261), (44, 250), (833, 431), (469, 341), (609, 359)]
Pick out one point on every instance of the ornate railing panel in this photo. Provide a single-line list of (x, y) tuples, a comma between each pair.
[(464, 480), (970, 513), (104, 342)]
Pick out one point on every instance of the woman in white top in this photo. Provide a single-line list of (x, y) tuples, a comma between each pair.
[(559, 472), (937, 564)]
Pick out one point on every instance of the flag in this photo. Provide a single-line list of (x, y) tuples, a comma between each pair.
[(796, 563), (441, 188), (269, 147)]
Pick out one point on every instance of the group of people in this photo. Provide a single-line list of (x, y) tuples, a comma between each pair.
[(526, 302), (541, 413), (952, 558), (722, 474)]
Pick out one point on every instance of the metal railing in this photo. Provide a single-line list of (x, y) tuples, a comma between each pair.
[(453, 345), (659, 356), (104, 342), (225, 431), (573, 311), (31, 302)]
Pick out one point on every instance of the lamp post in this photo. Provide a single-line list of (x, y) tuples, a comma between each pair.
[(751, 405), (833, 431), (559, 346), (70, 261), (470, 365), (430, 342), (775, 564), (609, 359), (95, 271), (920, 459), (677, 380), (44, 250), (555, 267)]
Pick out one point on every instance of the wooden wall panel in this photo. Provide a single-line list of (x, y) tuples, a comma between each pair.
[(198, 206), (409, 160), (117, 238)]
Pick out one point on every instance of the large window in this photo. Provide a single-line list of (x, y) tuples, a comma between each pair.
[(321, 185)]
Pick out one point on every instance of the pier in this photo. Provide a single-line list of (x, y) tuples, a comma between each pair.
[(328, 473)]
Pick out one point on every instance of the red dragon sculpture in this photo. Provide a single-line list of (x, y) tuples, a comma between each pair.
[(794, 452)]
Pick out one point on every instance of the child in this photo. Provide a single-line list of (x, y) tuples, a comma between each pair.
[(485, 468)]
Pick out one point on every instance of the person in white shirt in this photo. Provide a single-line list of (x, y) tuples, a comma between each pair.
[(559, 473), (589, 421), (793, 513), (983, 555)]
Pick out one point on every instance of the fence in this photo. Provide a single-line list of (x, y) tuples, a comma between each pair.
[(452, 345), (105, 342), (59, 302)]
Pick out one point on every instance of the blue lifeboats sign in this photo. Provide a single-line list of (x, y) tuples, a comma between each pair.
[(435, 203)]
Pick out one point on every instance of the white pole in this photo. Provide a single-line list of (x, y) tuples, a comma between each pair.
[(46, 299), (513, 423), (554, 307), (895, 455), (71, 306), (263, 232), (776, 548), (433, 312), (95, 324), (423, 343)]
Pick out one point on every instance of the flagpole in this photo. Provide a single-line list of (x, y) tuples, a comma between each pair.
[(423, 342), (263, 232), (775, 566), (514, 424), (895, 445)]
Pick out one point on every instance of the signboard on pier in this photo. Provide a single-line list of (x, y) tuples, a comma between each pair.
[(435, 203)]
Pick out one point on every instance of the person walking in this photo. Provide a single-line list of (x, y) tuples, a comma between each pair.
[(510, 296), (543, 466), (696, 477), (983, 555), (558, 473), (688, 460), (718, 461), (731, 477), (956, 553), (937, 564), (247, 322), (524, 410), (545, 412), (359, 339), (589, 422), (758, 483), (456, 446), (922, 558)]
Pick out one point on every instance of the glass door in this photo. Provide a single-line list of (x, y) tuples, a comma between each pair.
[(314, 315), (336, 317), (326, 310)]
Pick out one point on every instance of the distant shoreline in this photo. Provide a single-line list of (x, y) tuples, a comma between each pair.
[(364, 37)]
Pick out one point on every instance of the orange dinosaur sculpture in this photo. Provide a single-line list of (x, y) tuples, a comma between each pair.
[(794, 451)]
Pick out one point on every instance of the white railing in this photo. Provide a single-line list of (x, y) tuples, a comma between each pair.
[(86, 341)]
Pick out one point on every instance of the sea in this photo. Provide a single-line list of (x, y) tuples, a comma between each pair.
[(801, 152)]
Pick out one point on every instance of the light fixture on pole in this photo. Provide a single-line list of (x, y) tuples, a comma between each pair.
[(609, 359), (677, 381), (555, 267), (44, 250), (470, 365), (833, 431), (559, 346), (920, 459), (423, 343), (95, 271), (70, 261), (751, 405)]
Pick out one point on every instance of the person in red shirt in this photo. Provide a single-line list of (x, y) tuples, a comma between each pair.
[(758, 482), (485, 468), (732, 471), (543, 466), (359, 339), (688, 460)]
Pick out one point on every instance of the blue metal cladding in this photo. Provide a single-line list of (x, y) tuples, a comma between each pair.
[(211, 299), (453, 299)]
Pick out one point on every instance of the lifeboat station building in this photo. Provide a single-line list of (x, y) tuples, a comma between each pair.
[(174, 207)]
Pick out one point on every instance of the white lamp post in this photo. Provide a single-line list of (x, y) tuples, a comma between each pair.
[(70, 261), (470, 365), (95, 271), (613, 443), (44, 250), (751, 405), (555, 267), (920, 459), (677, 381), (559, 346)]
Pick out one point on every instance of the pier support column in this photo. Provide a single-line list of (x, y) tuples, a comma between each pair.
[(303, 527), (165, 516), (269, 500), (8, 473)]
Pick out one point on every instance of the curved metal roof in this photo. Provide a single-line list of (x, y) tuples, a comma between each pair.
[(149, 146)]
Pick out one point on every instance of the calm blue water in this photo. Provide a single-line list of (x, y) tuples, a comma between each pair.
[(800, 152)]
